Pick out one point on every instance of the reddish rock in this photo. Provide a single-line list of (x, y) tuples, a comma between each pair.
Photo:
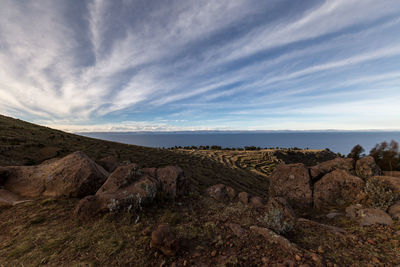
[(394, 210), (337, 188), (109, 163), (243, 197), (173, 182), (352, 211), (257, 202), (366, 167), (75, 175), (374, 216), (221, 192), (292, 182), (237, 229), (230, 192), (163, 239), (121, 177), (347, 164)]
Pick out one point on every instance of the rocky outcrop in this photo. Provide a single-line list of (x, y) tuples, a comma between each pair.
[(109, 163), (292, 182), (374, 216), (164, 240), (366, 167), (316, 172), (394, 210), (257, 202), (130, 188), (75, 175), (337, 188)]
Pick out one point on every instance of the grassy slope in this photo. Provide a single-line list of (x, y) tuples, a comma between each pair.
[(43, 232), (23, 143)]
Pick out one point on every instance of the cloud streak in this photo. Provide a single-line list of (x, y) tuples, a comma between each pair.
[(145, 64)]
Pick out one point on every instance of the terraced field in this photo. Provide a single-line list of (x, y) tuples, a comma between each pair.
[(261, 162)]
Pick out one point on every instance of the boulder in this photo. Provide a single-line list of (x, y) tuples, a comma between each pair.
[(124, 175), (164, 240), (366, 167), (172, 180), (221, 192), (337, 188), (352, 211), (237, 229), (374, 216), (129, 197), (257, 202), (394, 210), (243, 197), (316, 172), (109, 163), (292, 182), (75, 175)]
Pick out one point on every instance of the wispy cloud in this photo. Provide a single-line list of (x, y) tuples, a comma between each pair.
[(93, 65)]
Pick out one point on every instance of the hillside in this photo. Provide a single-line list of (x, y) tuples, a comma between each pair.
[(227, 208)]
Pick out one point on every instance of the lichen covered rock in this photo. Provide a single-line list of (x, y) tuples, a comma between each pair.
[(366, 167), (336, 189)]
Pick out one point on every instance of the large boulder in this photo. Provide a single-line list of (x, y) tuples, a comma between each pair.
[(394, 210), (374, 216), (163, 239), (292, 182), (337, 188), (130, 188), (117, 194), (316, 172), (366, 167), (75, 175), (109, 163)]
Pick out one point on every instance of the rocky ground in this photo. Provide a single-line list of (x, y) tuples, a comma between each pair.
[(196, 208)]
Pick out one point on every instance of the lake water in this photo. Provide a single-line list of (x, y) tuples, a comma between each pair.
[(336, 141)]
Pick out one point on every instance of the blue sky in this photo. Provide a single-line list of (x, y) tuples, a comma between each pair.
[(201, 65)]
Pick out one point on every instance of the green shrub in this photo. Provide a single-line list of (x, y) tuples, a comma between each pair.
[(380, 194)]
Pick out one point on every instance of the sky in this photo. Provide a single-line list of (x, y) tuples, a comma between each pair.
[(170, 65)]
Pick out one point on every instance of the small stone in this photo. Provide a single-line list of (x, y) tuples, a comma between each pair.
[(370, 241), (185, 263), (314, 257), (297, 257), (213, 253), (376, 260), (320, 250)]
